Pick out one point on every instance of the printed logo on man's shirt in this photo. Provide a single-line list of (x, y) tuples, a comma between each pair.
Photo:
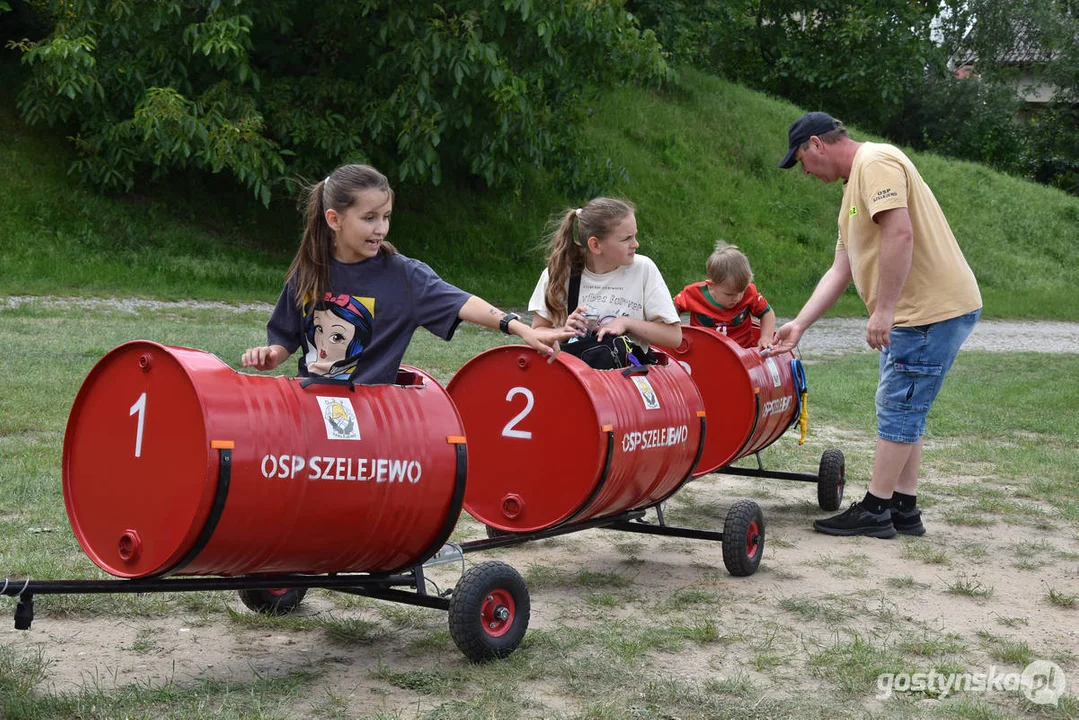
[(884, 195), (853, 210)]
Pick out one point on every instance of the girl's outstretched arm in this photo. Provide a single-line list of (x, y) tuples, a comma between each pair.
[(545, 340)]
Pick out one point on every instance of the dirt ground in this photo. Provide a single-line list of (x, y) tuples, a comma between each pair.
[(810, 591), (976, 586)]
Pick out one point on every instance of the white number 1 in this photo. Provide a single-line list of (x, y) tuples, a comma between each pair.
[(140, 408), (510, 429)]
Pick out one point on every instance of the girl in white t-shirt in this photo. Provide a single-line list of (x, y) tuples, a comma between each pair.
[(621, 292)]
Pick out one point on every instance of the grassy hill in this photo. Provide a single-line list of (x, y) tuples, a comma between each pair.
[(702, 161)]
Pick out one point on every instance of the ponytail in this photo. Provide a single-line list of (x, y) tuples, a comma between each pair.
[(568, 248), (566, 256)]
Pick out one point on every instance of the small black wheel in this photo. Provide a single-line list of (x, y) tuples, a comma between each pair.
[(489, 611), (273, 601), (831, 480), (743, 538), (493, 532)]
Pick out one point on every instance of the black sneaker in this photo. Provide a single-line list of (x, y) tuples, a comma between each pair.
[(908, 522), (856, 520)]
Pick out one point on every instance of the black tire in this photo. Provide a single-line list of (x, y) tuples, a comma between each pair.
[(273, 601), (493, 532), (743, 538), (831, 480), (489, 611)]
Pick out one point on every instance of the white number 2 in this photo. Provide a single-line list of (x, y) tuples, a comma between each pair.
[(509, 430), (140, 408)]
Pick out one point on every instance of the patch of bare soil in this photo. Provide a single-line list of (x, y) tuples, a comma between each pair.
[(977, 589)]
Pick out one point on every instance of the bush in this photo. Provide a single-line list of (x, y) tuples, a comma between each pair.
[(962, 118), (265, 89)]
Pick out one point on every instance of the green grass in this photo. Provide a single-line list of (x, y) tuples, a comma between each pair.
[(702, 165), (49, 349)]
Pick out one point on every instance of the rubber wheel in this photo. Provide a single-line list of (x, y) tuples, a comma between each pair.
[(273, 601), (743, 538), (831, 480), (493, 532), (489, 611)]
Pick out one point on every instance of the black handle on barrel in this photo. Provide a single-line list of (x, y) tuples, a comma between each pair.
[(320, 380), (635, 370)]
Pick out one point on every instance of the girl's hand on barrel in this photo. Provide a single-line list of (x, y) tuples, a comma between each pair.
[(766, 344), (266, 357)]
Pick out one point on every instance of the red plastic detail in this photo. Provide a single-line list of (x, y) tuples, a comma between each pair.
[(130, 546), (512, 506), (278, 592), (497, 613), (753, 539), (145, 361)]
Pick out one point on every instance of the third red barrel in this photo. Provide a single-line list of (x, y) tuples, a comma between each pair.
[(550, 443), (750, 400)]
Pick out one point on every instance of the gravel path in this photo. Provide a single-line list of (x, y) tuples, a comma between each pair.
[(830, 336)]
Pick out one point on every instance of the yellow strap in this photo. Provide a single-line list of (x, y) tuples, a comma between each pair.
[(803, 419)]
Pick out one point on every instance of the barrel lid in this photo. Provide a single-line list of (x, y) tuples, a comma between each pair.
[(139, 474), (536, 447)]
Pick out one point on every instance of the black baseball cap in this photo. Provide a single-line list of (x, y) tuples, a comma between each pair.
[(805, 127)]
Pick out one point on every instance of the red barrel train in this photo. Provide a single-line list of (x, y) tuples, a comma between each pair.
[(175, 465)]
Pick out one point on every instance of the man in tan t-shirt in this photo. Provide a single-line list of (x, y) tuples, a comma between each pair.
[(923, 301)]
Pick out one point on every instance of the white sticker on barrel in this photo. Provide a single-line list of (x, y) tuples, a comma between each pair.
[(340, 418), (773, 370), (651, 402)]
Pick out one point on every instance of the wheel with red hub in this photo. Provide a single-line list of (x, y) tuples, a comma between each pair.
[(273, 601), (743, 538), (831, 479), (489, 611)]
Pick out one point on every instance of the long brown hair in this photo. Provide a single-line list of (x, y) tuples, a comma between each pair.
[(569, 243), (311, 267)]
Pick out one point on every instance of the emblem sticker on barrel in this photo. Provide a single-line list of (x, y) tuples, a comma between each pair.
[(340, 418), (651, 402), (773, 370)]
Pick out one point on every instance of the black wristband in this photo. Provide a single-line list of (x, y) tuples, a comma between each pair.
[(504, 325)]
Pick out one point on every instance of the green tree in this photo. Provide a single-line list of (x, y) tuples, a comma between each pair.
[(1005, 41), (270, 89), (855, 58)]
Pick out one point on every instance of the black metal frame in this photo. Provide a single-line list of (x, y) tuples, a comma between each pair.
[(626, 522), (759, 471), (382, 587)]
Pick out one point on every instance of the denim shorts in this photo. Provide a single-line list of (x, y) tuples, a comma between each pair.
[(912, 370)]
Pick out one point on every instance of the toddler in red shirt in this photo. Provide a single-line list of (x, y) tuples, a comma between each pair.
[(728, 300)]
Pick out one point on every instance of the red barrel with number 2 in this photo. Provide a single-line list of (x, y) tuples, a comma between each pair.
[(551, 443)]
